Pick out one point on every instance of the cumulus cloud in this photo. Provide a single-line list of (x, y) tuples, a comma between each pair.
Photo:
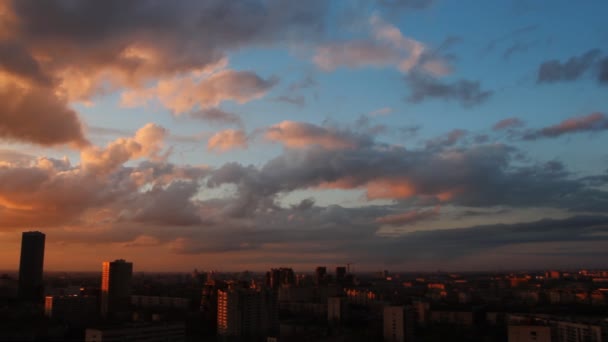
[(35, 114), (226, 140), (124, 45), (594, 122), (217, 115), (468, 93), (300, 135), (147, 142), (570, 70)]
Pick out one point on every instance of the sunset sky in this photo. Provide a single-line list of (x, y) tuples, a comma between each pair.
[(233, 135)]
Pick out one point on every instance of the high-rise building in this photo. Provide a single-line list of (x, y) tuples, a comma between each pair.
[(278, 277), (246, 312), (340, 274), (31, 287), (398, 324), (116, 286), (320, 275)]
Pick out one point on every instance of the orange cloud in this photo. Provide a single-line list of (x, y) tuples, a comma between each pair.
[(147, 142), (300, 135), (226, 140)]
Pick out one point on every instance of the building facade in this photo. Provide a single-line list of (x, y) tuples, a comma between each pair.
[(31, 264)]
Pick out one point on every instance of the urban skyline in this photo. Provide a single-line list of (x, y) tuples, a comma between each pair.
[(411, 135)]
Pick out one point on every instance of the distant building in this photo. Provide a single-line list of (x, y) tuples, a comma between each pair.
[(116, 286), (340, 274), (278, 277), (71, 309), (320, 277), (145, 332), (398, 322), (529, 333), (571, 329), (243, 313), (31, 264)]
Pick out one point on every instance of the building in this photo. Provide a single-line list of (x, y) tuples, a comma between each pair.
[(278, 277), (31, 264), (157, 302), (320, 277), (336, 309), (245, 312), (565, 328), (529, 333), (398, 322), (116, 286), (73, 309), (340, 274), (141, 332)]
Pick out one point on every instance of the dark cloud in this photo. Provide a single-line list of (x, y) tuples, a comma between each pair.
[(36, 115), (450, 139), (570, 70), (468, 93), (15, 59), (594, 122)]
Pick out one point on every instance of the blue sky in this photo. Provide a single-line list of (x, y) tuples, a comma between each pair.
[(229, 132)]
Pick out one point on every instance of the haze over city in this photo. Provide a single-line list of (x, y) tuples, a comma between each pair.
[(410, 135)]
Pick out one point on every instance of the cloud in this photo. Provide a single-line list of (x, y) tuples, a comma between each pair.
[(147, 142), (184, 94), (468, 93), (226, 140), (301, 135), (297, 100), (603, 74), (570, 70), (450, 139), (389, 47), (36, 115), (218, 116), (508, 123), (408, 217), (92, 48), (594, 122)]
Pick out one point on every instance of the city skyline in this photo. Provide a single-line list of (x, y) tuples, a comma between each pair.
[(407, 135)]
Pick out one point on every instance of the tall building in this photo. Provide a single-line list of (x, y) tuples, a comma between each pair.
[(31, 287), (278, 277), (246, 313), (320, 275), (116, 286), (398, 324), (340, 274)]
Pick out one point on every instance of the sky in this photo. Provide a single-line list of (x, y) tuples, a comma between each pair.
[(411, 135)]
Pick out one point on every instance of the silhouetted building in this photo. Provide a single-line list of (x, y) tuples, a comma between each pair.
[(72, 309), (116, 286), (340, 274), (320, 275), (246, 313), (278, 277), (31, 286)]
